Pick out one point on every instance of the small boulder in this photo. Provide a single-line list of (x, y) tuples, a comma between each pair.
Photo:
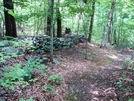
[(2, 99), (11, 51), (1, 74), (4, 44)]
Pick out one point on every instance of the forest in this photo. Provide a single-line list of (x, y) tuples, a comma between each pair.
[(66, 50)]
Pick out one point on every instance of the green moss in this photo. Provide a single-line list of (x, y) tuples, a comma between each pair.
[(104, 62)]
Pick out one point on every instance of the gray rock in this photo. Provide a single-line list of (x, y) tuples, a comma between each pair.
[(56, 62), (42, 44), (4, 44), (11, 51), (2, 99), (1, 73), (132, 57), (45, 59), (21, 51), (2, 92)]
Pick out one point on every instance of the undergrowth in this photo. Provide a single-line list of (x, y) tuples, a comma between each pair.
[(126, 80), (7, 44), (21, 74)]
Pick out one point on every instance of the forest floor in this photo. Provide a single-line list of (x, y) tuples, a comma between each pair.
[(95, 79)]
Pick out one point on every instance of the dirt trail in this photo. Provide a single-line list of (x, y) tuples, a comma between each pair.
[(84, 80), (93, 79)]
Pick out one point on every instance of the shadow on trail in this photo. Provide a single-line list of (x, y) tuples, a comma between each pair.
[(95, 86)]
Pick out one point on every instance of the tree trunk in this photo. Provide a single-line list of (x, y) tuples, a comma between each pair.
[(107, 28), (91, 22), (58, 23), (51, 31), (118, 40), (0, 30), (59, 34), (109, 36), (48, 19), (2, 25), (115, 37), (10, 24)]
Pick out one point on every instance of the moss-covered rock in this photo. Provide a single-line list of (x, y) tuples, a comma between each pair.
[(42, 43)]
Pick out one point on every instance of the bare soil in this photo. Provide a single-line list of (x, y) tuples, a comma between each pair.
[(94, 79)]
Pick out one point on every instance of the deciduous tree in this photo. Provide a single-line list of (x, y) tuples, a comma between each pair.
[(48, 18), (58, 15), (91, 22), (51, 30), (10, 24), (107, 28)]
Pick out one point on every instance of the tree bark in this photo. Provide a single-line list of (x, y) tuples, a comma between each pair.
[(2, 26), (107, 28), (48, 19), (109, 36), (115, 37), (91, 22), (58, 15), (51, 31), (10, 24), (59, 34)]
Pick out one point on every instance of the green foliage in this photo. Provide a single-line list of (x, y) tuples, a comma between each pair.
[(21, 73), (55, 78), (128, 89), (130, 99), (49, 88), (3, 43), (12, 77), (119, 83), (20, 44), (8, 48), (95, 52), (34, 63), (26, 99), (126, 62), (3, 57), (11, 13), (126, 77), (71, 96), (30, 15), (8, 38)]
